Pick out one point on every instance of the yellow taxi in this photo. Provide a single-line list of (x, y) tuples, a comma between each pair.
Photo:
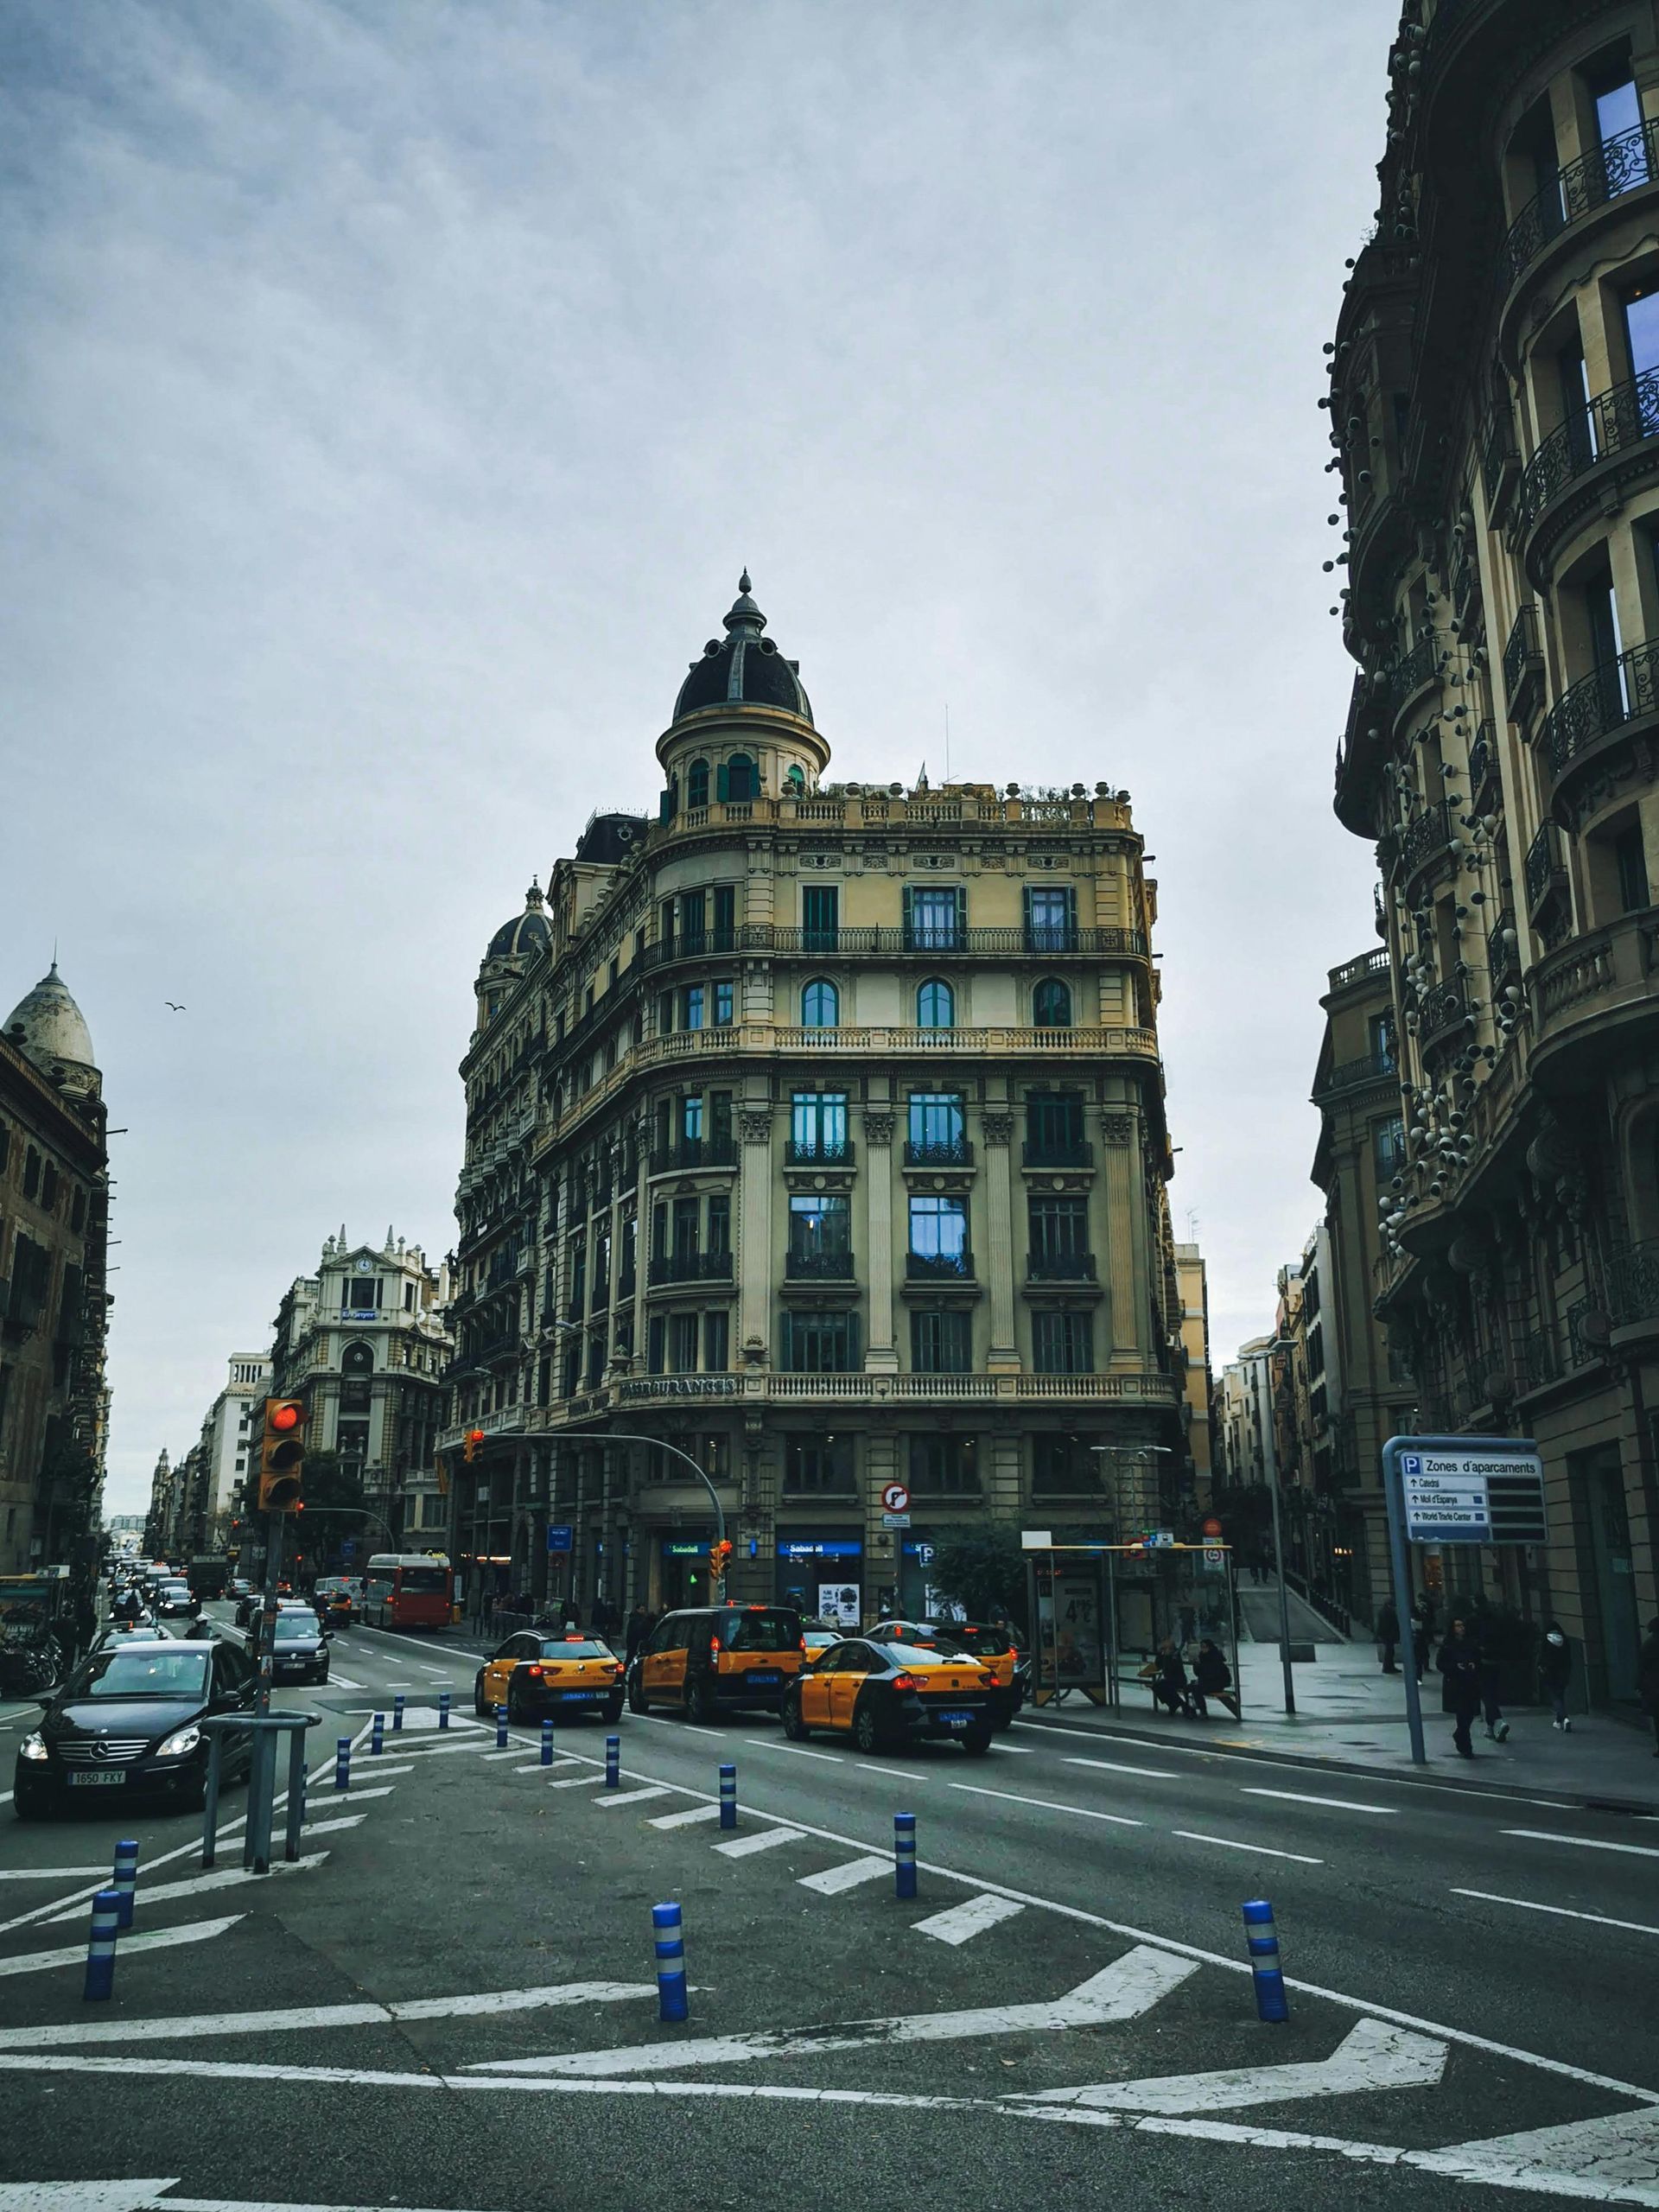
[(708, 1659), (535, 1675), (883, 1693), (993, 1646)]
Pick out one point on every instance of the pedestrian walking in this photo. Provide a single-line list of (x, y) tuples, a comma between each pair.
[(570, 1614), (1492, 1712), (1422, 1609), (1554, 1671), (1388, 1635), (1212, 1677), (638, 1628), (1169, 1678), (1647, 1680), (1419, 1649), (1459, 1670), (1187, 1622)]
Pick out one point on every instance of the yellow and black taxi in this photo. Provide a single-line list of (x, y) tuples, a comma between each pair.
[(535, 1674), (994, 1645), (708, 1660), (883, 1693)]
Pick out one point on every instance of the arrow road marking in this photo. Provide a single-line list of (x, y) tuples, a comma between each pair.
[(1615, 2160), (164, 1939), (1372, 2056), (223, 1879), (1120, 1992)]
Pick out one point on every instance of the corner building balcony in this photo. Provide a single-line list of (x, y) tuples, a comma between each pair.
[(1595, 1003), (1588, 735), (1602, 452), (1585, 198)]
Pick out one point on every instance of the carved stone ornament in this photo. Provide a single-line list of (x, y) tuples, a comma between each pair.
[(878, 1128), (1118, 1128), (998, 1128), (754, 1124)]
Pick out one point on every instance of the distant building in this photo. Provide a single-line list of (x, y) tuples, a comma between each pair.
[(1198, 1389), (225, 1440), (53, 1294)]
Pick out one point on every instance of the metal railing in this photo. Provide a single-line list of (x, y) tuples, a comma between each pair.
[(1633, 1283), (690, 1267), (1058, 1152), (1483, 756), (1350, 1075), (1612, 423), (817, 1267), (1498, 455), (1413, 670), (939, 1151), (818, 1151), (1060, 1266), (939, 1266), (1443, 1009), (1597, 704), (694, 1152), (1521, 652), (1433, 832), (1543, 862), (1618, 165)]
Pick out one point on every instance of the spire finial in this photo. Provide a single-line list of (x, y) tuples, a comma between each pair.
[(743, 584)]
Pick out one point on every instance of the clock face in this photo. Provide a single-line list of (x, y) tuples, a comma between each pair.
[(366, 1266)]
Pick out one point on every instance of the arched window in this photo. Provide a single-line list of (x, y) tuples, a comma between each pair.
[(936, 1005), (795, 781), (742, 781), (696, 784), (820, 1004), (1051, 1004), (357, 1359)]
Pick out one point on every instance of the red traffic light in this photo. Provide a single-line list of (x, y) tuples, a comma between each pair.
[(284, 1417)]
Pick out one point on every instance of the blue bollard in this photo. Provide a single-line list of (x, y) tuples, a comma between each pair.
[(500, 1727), (126, 1877), (729, 1796), (100, 1949), (547, 1742), (613, 1768), (1263, 1942), (904, 1854), (398, 1713), (670, 1962), (443, 1708), (342, 1762), (377, 1736)]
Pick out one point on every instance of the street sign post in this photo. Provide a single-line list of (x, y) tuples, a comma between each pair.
[(1455, 1489), (561, 1539), (895, 1499)]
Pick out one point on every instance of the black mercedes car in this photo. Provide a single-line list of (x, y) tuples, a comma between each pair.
[(127, 1723)]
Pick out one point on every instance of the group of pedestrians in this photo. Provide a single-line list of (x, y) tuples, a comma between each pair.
[(1470, 1666), (1211, 1677)]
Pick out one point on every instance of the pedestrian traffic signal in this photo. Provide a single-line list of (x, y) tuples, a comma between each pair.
[(282, 1455)]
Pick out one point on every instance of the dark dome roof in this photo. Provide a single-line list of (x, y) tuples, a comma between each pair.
[(526, 933), (747, 669)]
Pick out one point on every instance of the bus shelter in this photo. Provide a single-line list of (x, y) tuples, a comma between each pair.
[(1098, 1613)]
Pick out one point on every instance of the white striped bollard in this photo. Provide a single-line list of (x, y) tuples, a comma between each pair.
[(101, 1947), (443, 1708), (547, 1742), (500, 1727), (613, 1769), (904, 1854), (398, 1713), (342, 1762), (729, 1796), (126, 1877), (377, 1736), (1262, 1939), (670, 1962)]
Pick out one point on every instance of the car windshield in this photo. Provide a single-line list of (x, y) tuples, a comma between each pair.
[(122, 1672), (576, 1647), (759, 1628), (416, 1581), (297, 1628), (917, 1655), (983, 1642)]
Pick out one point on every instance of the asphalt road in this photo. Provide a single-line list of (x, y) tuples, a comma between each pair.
[(1063, 2007)]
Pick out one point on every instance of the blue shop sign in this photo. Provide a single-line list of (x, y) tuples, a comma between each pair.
[(826, 1547), (673, 1549), (561, 1540)]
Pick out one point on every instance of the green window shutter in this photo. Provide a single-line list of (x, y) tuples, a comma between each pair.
[(961, 913), (785, 1342), (722, 782), (908, 927), (1025, 899)]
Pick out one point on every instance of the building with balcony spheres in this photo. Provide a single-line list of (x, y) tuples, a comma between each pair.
[(1494, 411), (818, 1129)]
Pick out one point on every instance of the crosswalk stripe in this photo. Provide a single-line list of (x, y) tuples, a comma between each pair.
[(834, 1879), (745, 1846), (630, 1796), (162, 1939), (683, 1820), (222, 1877), (958, 1923)]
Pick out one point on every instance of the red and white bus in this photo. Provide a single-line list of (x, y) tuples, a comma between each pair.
[(407, 1590)]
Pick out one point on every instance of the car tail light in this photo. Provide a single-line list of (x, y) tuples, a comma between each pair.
[(714, 1647), (535, 1673), (907, 1682)]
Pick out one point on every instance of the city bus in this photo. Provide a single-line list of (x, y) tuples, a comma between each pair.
[(407, 1590)]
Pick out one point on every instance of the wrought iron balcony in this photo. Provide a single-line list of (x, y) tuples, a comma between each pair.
[(866, 941), (1524, 665), (1482, 764), (1058, 1152), (691, 1267), (1443, 1010), (818, 1267), (1407, 675), (818, 1151), (1353, 1075), (1545, 869), (1060, 1266), (1600, 704), (1633, 1284), (1618, 165), (939, 1151), (693, 1152), (1433, 834), (939, 1266), (1612, 423)]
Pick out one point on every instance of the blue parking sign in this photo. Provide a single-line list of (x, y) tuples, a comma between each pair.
[(561, 1539)]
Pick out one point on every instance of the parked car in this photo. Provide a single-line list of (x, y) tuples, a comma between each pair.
[(127, 1723)]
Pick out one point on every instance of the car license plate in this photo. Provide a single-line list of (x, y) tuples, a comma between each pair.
[(570, 1694), (957, 1719), (97, 1778), (765, 1681)]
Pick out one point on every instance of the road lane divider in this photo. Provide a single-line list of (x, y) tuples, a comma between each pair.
[(668, 1934), (1333, 1804), (728, 1796), (1373, 2055), (688, 1814), (1560, 1911), (101, 1947), (849, 1875), (1582, 1842), (745, 1846), (1231, 1843), (222, 1878), (1262, 1941), (1117, 1766), (1048, 1805), (612, 1797), (904, 1854)]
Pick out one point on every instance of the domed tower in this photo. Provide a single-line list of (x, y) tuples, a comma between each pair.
[(52, 1032), (742, 726), (511, 951)]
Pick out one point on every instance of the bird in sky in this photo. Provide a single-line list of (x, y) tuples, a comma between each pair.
[(176, 1007)]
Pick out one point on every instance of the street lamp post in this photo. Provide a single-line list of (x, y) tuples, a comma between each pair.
[(1271, 1439)]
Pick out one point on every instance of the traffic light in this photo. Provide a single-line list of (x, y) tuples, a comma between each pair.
[(719, 1558), (281, 1454), (469, 1450)]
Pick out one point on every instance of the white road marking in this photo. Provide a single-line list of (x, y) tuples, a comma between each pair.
[(310, 2017), (351, 1796), (328, 1827), (1336, 1804), (222, 1877), (574, 1782), (1372, 2056), (799, 1750), (1016, 1751), (535, 1766), (437, 1751), (1525, 1904), (135, 2197), (1046, 1805), (1615, 2160), (960, 1924), (512, 1752), (628, 1796), (162, 1939), (745, 1846), (1122, 1991), (870, 1766), (848, 1876), (1582, 1842), (1116, 1766), (346, 1681), (378, 1771), (684, 1818), (48, 1874), (1261, 1850)]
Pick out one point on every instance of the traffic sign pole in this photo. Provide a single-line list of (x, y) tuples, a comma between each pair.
[(1399, 1560)]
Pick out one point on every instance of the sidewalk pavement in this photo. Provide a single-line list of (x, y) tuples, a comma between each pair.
[(1350, 1715)]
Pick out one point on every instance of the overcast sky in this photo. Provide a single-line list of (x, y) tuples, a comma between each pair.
[(389, 394)]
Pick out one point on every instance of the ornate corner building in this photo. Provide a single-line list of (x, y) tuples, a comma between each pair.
[(1494, 411), (817, 1128)]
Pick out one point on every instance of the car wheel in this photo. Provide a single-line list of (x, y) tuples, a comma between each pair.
[(700, 1703), (867, 1733), (637, 1694), (978, 1743), (28, 1807), (518, 1710), (613, 1713), (794, 1727), (479, 1705)]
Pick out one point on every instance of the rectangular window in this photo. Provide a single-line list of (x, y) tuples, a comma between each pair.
[(1059, 1229), (937, 1127), (629, 1252), (945, 1466), (817, 1127), (1051, 919), (1062, 1342), (1629, 856), (817, 1466), (692, 937), (820, 917), (725, 918), (725, 1005), (1063, 1467), (691, 1005), (719, 1223), (938, 1232), (1053, 1126), (818, 1343), (665, 922), (720, 1123), (820, 1228), (1382, 1035), (934, 919), (31, 1173), (691, 1120), (1388, 1146), (682, 1344), (941, 1341), (685, 1226), (49, 1187), (1642, 335), (715, 1328), (656, 1343), (665, 1014)]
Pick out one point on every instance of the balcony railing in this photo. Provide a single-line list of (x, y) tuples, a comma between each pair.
[(1524, 664), (1443, 1010), (1058, 1152), (818, 1151), (870, 940), (1633, 1284), (939, 1151), (1483, 759), (1612, 423), (939, 1266), (818, 1267), (1433, 831), (1621, 690), (1413, 670), (693, 1152), (1060, 1266), (1351, 1075), (1544, 868), (1618, 165), (691, 1267), (1505, 956)]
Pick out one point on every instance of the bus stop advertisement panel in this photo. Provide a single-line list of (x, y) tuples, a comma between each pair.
[(1100, 1612), (1456, 1490)]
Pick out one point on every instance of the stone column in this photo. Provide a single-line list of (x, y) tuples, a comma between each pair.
[(641, 1239), (998, 1260), (753, 1227), (1125, 1319), (881, 1356)]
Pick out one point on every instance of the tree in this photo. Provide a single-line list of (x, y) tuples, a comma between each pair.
[(979, 1568)]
